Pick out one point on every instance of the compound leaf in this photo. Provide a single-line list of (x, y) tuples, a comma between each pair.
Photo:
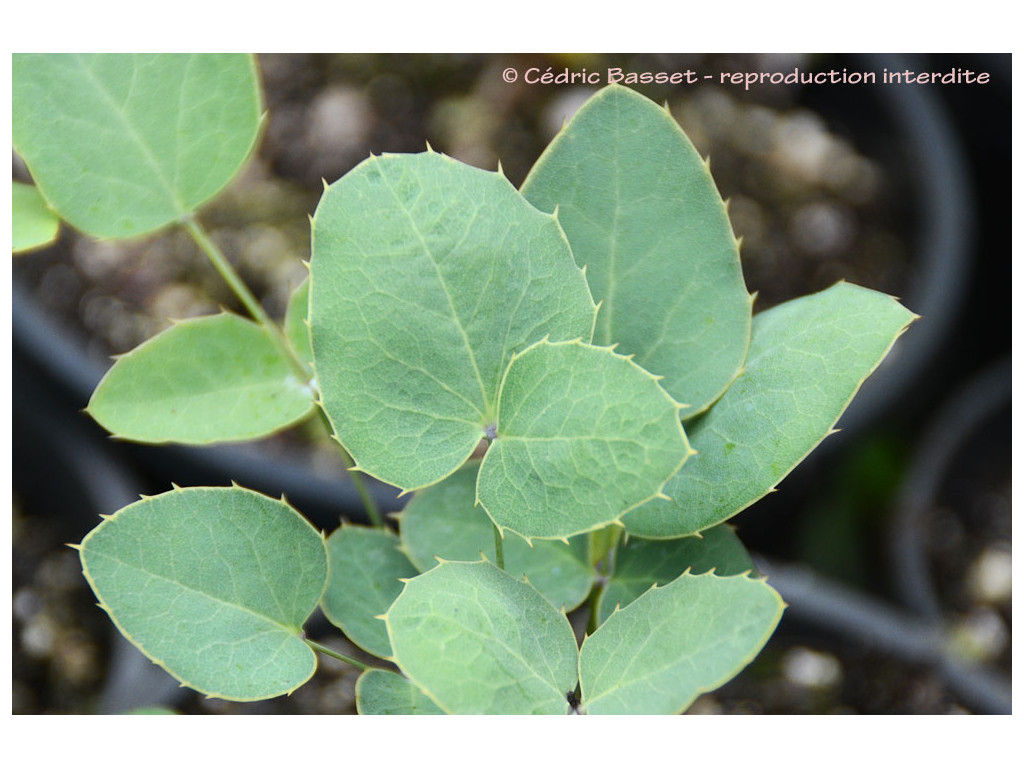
[(478, 641), (204, 380), (427, 275), (383, 692), (672, 643), (641, 211), (33, 222), (642, 563), (214, 585), (364, 579), (808, 357), (443, 522), (583, 436), (124, 144)]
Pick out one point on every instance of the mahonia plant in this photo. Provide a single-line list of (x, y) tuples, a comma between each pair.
[(592, 330)]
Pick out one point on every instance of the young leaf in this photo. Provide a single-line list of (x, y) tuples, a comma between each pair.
[(642, 563), (382, 692), (478, 641), (443, 521), (675, 642), (365, 568), (427, 275), (209, 379), (214, 585), (583, 436), (296, 322), (33, 223), (808, 358), (641, 211), (123, 144)]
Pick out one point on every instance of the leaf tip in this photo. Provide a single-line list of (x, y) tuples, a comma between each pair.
[(430, 149)]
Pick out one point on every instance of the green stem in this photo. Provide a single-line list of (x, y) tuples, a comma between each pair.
[(255, 309), (340, 656), (241, 290), (499, 548), (595, 594), (369, 504)]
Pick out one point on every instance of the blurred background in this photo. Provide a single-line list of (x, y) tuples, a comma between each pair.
[(891, 543)]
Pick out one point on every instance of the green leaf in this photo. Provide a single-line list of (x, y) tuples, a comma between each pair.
[(123, 144), (214, 585), (33, 223), (296, 322), (808, 358), (382, 692), (642, 563), (443, 522), (427, 275), (655, 656), (365, 566), (583, 436), (642, 212), (209, 379), (478, 641)]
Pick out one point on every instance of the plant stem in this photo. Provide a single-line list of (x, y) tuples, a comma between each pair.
[(255, 309), (592, 622), (241, 290), (331, 652), (499, 548), (369, 503)]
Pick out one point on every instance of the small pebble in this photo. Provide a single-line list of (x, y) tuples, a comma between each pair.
[(990, 578), (980, 636), (812, 669)]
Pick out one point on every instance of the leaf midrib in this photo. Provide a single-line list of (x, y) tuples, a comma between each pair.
[(132, 131), (291, 630), (487, 407)]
